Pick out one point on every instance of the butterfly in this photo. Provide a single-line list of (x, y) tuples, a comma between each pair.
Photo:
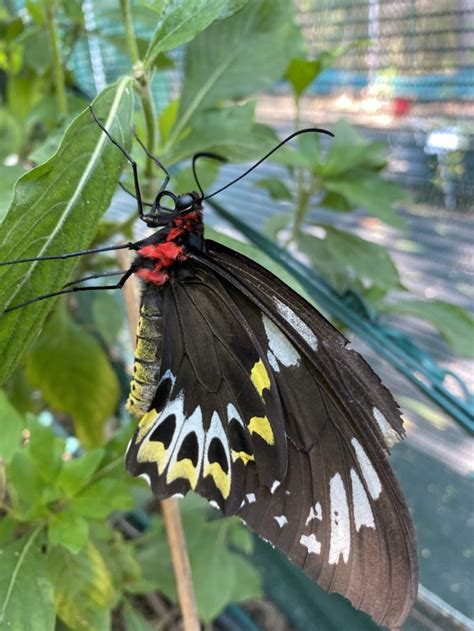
[(250, 397)]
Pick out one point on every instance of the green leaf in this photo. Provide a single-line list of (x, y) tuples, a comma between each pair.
[(28, 490), (107, 315), (74, 375), (68, 530), (221, 64), (134, 620), (83, 588), (167, 119), (26, 593), (231, 7), (349, 262), (451, 321), (8, 177), (220, 575), (301, 73), (55, 209), (101, 498), (372, 193), (349, 150), (120, 558), (229, 131), (11, 428), (276, 188), (77, 472), (179, 22), (46, 451)]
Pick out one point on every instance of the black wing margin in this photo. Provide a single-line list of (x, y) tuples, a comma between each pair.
[(338, 512)]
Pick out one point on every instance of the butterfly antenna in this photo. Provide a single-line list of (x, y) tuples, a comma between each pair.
[(204, 154), (315, 130)]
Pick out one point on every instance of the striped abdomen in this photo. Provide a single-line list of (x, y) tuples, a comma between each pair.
[(146, 366)]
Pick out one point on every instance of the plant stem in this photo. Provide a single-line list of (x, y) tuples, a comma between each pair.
[(169, 507), (58, 72), (142, 79), (130, 38)]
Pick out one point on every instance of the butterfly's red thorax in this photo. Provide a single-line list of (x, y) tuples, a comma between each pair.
[(165, 253)]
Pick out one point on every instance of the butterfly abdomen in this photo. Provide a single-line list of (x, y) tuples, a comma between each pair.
[(147, 362)]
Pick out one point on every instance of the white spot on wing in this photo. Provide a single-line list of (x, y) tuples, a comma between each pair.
[(363, 515), (370, 475), (233, 415), (275, 485), (297, 323), (273, 361), (281, 348), (390, 435), (251, 498), (281, 520), (314, 513), (214, 504), (145, 477), (340, 524), (311, 543)]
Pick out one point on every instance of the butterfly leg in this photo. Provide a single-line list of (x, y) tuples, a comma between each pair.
[(71, 290), (93, 277)]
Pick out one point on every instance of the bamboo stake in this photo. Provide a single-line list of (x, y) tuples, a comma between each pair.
[(169, 507)]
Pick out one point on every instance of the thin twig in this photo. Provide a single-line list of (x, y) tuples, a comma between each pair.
[(169, 507)]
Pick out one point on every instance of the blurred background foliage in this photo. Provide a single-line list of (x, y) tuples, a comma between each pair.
[(77, 535)]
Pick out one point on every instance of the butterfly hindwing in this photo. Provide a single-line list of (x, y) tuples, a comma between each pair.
[(210, 420)]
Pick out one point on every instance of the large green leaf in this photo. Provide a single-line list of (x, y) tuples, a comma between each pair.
[(179, 22), (74, 375), (26, 593), (372, 193), (220, 575), (348, 262), (235, 58), (11, 427), (83, 588), (228, 131), (452, 322), (55, 209)]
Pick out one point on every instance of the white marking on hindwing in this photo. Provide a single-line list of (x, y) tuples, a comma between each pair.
[(217, 430), (363, 515), (275, 485), (370, 475), (233, 415), (390, 435), (175, 407), (340, 522), (314, 513), (193, 424), (214, 504), (251, 498), (311, 543), (297, 323), (281, 520), (145, 477), (281, 348)]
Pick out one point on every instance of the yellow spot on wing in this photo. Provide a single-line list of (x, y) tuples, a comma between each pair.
[(220, 477), (183, 469), (259, 377), (145, 423), (261, 425), (153, 451), (245, 457)]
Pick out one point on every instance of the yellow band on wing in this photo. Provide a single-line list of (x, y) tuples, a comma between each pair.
[(220, 477), (153, 451), (261, 425), (242, 455), (183, 469), (259, 377), (145, 423)]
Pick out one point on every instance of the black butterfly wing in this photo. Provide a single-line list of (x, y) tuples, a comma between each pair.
[(339, 512), (209, 426)]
